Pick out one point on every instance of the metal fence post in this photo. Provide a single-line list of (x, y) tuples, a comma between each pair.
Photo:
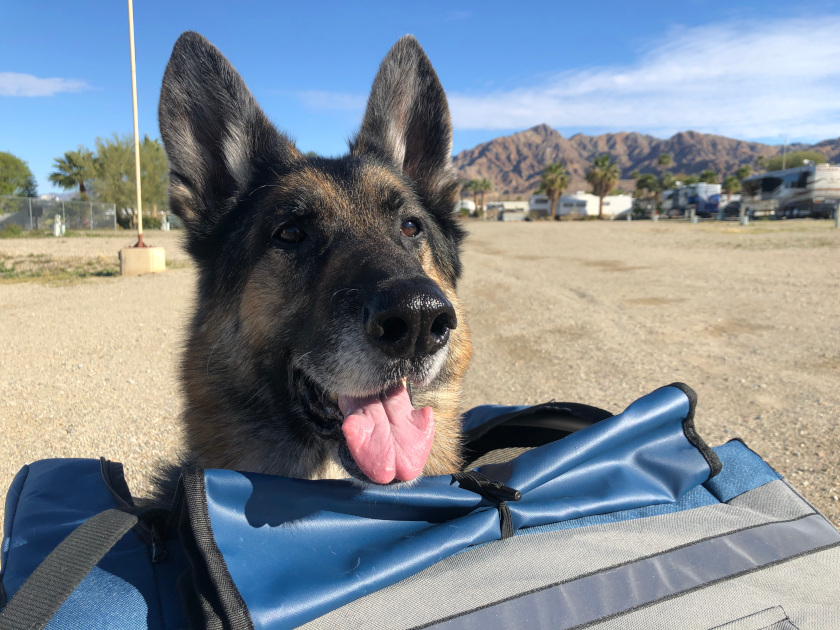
[(91, 214), (115, 216), (29, 199)]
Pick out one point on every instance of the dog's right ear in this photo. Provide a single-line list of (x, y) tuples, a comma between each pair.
[(215, 134)]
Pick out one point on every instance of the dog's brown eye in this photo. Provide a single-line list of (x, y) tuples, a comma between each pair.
[(410, 228), (289, 233)]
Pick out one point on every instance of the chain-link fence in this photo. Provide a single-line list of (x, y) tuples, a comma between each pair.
[(31, 213)]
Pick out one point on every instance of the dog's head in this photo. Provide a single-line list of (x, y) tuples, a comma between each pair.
[(327, 336)]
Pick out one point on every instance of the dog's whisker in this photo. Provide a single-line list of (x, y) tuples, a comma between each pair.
[(210, 355), (485, 305), (257, 393), (347, 290)]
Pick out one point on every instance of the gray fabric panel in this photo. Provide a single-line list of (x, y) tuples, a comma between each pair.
[(639, 583), (504, 569), (806, 589), (771, 619)]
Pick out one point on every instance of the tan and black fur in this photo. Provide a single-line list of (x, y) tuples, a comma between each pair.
[(278, 321)]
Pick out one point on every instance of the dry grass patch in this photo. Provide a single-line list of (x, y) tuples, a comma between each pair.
[(47, 269)]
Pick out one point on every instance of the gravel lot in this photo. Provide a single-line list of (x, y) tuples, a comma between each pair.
[(592, 312)]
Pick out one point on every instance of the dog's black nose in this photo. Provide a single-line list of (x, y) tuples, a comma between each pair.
[(412, 318)]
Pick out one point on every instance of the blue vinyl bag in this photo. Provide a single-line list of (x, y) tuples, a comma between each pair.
[(567, 516)]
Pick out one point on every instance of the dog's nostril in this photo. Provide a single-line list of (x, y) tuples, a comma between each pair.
[(393, 329), (440, 326)]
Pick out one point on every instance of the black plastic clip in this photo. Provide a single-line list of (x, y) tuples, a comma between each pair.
[(494, 491)]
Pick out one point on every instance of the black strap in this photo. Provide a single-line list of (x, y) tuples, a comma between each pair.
[(211, 598), (529, 428), (43, 593)]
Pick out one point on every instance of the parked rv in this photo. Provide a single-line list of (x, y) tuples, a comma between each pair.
[(812, 190), (703, 198)]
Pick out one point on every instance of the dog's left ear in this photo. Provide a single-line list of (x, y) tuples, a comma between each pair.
[(407, 122)]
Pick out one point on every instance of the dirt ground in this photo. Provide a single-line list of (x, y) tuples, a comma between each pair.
[(594, 312)]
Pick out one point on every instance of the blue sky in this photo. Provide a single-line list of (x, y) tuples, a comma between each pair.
[(747, 69)]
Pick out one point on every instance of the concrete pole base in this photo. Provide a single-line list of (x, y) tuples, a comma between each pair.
[(135, 261)]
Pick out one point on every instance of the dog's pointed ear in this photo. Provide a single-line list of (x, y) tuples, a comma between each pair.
[(215, 134), (407, 122)]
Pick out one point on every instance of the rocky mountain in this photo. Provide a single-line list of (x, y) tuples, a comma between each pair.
[(514, 163)]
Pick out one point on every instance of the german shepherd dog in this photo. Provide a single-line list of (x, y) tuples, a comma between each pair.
[(327, 339)]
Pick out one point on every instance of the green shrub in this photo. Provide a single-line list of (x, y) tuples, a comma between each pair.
[(153, 223), (12, 230)]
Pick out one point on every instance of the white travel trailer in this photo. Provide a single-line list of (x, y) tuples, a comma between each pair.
[(541, 205), (466, 204), (812, 190), (587, 204), (581, 204)]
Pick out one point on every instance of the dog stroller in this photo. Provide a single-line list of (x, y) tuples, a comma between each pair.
[(567, 517)]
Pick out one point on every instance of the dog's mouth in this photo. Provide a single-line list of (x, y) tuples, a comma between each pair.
[(321, 408), (382, 436)]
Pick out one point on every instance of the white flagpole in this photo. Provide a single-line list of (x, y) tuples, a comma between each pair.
[(136, 127)]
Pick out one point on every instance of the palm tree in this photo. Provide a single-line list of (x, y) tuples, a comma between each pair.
[(669, 180), (470, 187), (553, 182), (664, 160), (648, 183), (603, 176), (72, 170), (761, 163), (731, 184), (743, 172), (708, 177), (482, 186)]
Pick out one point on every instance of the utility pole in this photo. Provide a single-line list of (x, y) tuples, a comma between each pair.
[(784, 154)]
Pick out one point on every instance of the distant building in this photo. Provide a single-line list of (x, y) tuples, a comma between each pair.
[(508, 210), (508, 206)]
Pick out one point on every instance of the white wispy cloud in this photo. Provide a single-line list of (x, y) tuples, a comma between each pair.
[(746, 80), (750, 80), (17, 84)]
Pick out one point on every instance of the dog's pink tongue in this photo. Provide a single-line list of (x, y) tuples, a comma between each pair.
[(388, 438)]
